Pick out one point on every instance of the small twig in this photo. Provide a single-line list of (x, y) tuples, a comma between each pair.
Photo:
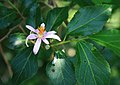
[(46, 4), (21, 28), (12, 5), (54, 3), (3, 38), (64, 42), (6, 61)]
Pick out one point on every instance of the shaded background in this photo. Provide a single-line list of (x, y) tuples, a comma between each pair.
[(41, 78)]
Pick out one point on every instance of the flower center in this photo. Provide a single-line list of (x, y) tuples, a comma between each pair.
[(41, 31)]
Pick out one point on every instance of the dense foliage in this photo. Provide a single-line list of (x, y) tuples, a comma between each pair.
[(83, 51)]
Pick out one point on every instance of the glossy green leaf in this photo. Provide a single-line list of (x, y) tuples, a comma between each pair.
[(55, 17), (44, 54), (34, 16), (25, 5), (7, 16), (31, 15), (38, 16), (89, 20), (24, 66), (109, 39), (91, 68), (61, 73), (16, 41)]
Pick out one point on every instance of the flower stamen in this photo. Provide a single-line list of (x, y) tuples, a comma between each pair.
[(41, 30)]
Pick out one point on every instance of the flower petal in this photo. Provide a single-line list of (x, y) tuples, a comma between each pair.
[(37, 46), (30, 28), (45, 41), (54, 37), (43, 25), (36, 31), (31, 36), (50, 32)]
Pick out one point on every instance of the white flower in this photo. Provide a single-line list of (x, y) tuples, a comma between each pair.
[(41, 35)]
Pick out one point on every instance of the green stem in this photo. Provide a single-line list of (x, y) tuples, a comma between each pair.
[(65, 37), (64, 42), (15, 8)]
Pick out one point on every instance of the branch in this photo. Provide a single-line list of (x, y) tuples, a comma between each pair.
[(21, 28), (64, 42), (6, 61), (6, 36), (12, 5)]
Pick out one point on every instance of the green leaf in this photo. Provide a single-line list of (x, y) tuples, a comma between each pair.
[(25, 5), (109, 39), (34, 17), (55, 17), (91, 68), (44, 54), (16, 41), (31, 15), (89, 20), (24, 66), (7, 16), (61, 73), (101, 1), (84, 2), (97, 1), (116, 3), (91, 2), (38, 16)]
